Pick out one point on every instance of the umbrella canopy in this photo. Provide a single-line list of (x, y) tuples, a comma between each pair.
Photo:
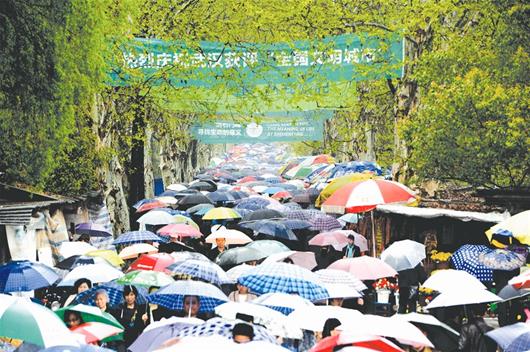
[(77, 260), (459, 297), (234, 256), (294, 224), (234, 273), (282, 277), (274, 229), (263, 214), (521, 281), (136, 237), (156, 262), (200, 209), (282, 195), (68, 249), (146, 278), (136, 249), (402, 255), (282, 302), (203, 186), (517, 226), (508, 292), (304, 214), (178, 187), (521, 343), (156, 217), (220, 197), (91, 229), (109, 255), (94, 272), (184, 255), (199, 269), (221, 214), (23, 275), (441, 335), (363, 196), (506, 335), (364, 268), (304, 259), (253, 203), (193, 199), (156, 203), (172, 296), (114, 291), (502, 259), (350, 218), (24, 320), (359, 343), (340, 182), (231, 236), (179, 231), (268, 247), (467, 258), (90, 314), (450, 279), (337, 239), (312, 318), (325, 223), (94, 331), (340, 277)]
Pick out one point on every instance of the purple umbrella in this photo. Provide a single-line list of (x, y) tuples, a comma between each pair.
[(325, 223), (304, 214), (91, 229)]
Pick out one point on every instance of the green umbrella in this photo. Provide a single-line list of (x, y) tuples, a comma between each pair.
[(90, 313), (146, 278)]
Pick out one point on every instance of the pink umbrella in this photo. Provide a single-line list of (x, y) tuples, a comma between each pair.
[(151, 205), (179, 230), (96, 331), (364, 268), (304, 259), (333, 238)]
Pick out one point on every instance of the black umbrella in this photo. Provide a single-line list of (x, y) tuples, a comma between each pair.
[(193, 199), (75, 261), (218, 196), (263, 214), (209, 186)]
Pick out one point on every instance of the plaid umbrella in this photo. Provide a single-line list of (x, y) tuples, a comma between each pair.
[(223, 327), (136, 237), (283, 277), (325, 223), (172, 296), (333, 276), (23, 275), (506, 335), (522, 343), (275, 229), (467, 258), (114, 291), (292, 206), (304, 214), (263, 214), (199, 269), (91, 229), (253, 203), (302, 197)]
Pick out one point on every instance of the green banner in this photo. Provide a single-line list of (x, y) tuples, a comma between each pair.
[(220, 132)]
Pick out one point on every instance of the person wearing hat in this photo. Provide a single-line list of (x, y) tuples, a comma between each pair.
[(351, 250), (242, 333)]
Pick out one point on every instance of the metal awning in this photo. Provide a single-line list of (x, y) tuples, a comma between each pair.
[(430, 213)]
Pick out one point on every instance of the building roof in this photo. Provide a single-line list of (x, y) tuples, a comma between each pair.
[(429, 213)]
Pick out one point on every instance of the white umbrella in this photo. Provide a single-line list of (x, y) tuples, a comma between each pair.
[(304, 259), (168, 200), (234, 273), (177, 187), (68, 249), (313, 318), (280, 300), (136, 249), (463, 297), (333, 276), (424, 319), (450, 280), (231, 236), (341, 291), (173, 320), (156, 217), (402, 255), (100, 272), (507, 334)]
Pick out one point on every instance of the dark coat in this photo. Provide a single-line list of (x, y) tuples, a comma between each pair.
[(135, 326), (473, 339), (412, 277)]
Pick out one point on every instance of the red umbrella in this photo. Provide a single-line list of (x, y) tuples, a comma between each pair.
[(357, 197), (322, 159), (156, 262), (151, 205), (247, 179), (96, 331), (179, 230), (282, 195), (375, 343)]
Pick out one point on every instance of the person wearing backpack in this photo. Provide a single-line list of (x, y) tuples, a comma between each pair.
[(473, 333)]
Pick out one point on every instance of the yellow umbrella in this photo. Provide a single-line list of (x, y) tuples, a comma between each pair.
[(339, 182), (107, 254), (221, 213), (181, 219), (517, 226)]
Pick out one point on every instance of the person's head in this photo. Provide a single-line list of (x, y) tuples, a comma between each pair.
[(329, 327), (82, 285), (220, 242), (84, 238), (351, 239), (192, 304), (129, 294), (242, 289), (102, 299), (478, 310), (242, 333), (72, 319), (337, 302)]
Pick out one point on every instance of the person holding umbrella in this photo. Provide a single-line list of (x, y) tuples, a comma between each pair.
[(80, 285), (351, 250), (132, 316), (220, 248), (72, 319)]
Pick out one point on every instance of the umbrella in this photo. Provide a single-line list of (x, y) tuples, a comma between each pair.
[(337, 239), (502, 259), (91, 229), (220, 197), (109, 255), (231, 236), (193, 199), (81, 348), (508, 292), (506, 335), (338, 183), (282, 302), (282, 277), (23, 275), (156, 217), (136, 237), (274, 229), (522, 343), (114, 291), (156, 262), (521, 281), (200, 269), (234, 273), (24, 320), (268, 247), (182, 256), (167, 200), (100, 272), (282, 195), (203, 186), (272, 190), (303, 259), (363, 196), (234, 256), (361, 343), (294, 224), (450, 279), (341, 291), (312, 318), (146, 278), (156, 203), (136, 249), (142, 202), (263, 214), (90, 314), (68, 249), (325, 223), (467, 258), (304, 214), (517, 226), (253, 203), (172, 296), (181, 219), (179, 230), (350, 218), (302, 197), (459, 297), (402, 255), (442, 335), (200, 209), (77, 260), (364, 268), (178, 187), (94, 331), (339, 277), (221, 214), (169, 193)]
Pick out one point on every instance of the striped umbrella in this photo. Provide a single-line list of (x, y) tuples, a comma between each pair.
[(23, 275), (136, 237), (283, 277), (95, 331), (199, 269)]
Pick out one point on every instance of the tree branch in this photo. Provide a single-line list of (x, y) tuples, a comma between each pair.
[(376, 25)]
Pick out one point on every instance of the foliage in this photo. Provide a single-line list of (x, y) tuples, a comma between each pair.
[(440, 256)]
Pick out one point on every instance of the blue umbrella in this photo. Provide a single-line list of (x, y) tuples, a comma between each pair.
[(272, 190), (172, 295), (253, 203), (199, 269), (23, 275), (200, 209), (467, 258), (275, 229), (114, 291), (91, 229), (286, 278), (136, 237), (168, 193), (502, 259), (522, 343), (218, 196), (295, 224), (350, 218)]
